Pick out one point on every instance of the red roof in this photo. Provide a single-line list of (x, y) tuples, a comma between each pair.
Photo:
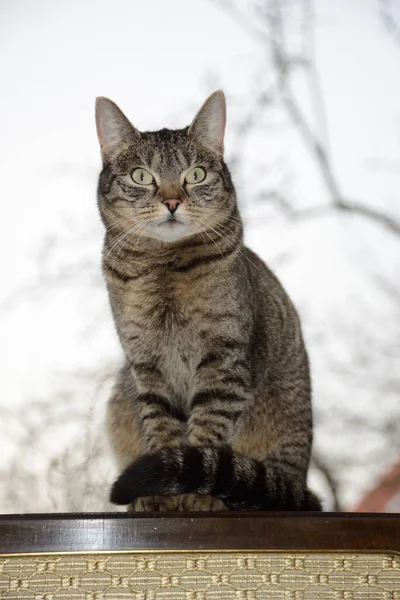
[(386, 495)]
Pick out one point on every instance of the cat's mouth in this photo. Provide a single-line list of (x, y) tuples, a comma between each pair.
[(171, 229), (171, 223)]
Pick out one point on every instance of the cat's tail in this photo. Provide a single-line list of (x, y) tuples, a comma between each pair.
[(242, 483)]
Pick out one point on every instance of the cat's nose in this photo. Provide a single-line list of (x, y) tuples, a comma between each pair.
[(172, 204)]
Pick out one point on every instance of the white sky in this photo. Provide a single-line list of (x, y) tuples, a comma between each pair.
[(158, 60)]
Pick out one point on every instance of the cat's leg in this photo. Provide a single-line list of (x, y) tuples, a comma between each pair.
[(140, 423), (222, 394), (127, 444), (162, 424)]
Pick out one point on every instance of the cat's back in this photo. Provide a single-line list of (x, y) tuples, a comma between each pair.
[(277, 321), (265, 283)]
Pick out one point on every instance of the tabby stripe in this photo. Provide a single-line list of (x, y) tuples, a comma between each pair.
[(206, 423), (227, 343), (210, 396), (214, 316), (203, 261), (235, 380), (152, 416), (142, 367), (208, 426), (223, 474), (245, 472), (282, 463), (296, 444), (154, 399), (209, 358), (211, 438), (213, 357), (230, 415), (164, 427), (192, 470), (249, 489), (119, 275), (193, 243), (258, 488), (284, 496), (150, 399)]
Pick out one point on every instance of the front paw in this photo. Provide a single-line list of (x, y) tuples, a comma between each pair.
[(155, 504), (195, 502), (183, 502)]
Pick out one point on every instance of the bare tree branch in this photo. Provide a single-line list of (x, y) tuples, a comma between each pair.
[(242, 20), (313, 79), (244, 127), (339, 202), (317, 143), (348, 206), (318, 463)]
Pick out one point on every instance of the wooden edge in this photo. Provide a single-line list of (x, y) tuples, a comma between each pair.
[(100, 532)]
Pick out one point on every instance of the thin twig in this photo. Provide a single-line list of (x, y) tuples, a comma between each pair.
[(330, 479), (319, 149)]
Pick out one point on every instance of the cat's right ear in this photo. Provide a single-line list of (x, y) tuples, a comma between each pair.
[(113, 128)]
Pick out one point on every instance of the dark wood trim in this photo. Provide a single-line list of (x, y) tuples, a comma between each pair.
[(95, 532)]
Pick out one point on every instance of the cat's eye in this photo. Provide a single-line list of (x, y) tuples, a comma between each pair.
[(195, 175), (142, 177)]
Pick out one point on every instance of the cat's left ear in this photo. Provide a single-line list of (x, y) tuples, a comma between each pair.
[(114, 130), (208, 126)]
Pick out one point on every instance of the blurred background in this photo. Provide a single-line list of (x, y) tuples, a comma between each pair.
[(313, 143)]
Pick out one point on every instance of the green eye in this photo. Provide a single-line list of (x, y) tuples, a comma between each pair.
[(195, 175), (142, 177)]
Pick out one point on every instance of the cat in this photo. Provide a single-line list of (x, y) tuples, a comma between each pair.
[(212, 408)]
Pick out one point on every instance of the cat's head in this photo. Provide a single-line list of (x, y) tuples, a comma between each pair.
[(167, 184)]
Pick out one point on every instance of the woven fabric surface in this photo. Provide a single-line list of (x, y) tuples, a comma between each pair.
[(201, 576)]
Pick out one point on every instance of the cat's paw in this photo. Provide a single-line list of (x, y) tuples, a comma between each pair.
[(195, 502), (145, 504), (167, 503), (184, 502), (155, 504)]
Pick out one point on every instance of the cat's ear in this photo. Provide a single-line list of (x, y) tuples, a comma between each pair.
[(113, 128), (208, 126)]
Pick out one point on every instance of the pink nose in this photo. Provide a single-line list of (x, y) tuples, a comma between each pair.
[(172, 204)]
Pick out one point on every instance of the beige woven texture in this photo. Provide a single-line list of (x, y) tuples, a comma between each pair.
[(201, 576)]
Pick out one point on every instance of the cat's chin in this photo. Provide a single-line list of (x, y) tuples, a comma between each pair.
[(170, 231)]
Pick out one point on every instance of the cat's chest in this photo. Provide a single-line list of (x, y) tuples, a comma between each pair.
[(178, 360), (161, 320), (158, 305)]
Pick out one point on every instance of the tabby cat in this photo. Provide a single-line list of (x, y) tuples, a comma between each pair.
[(212, 408)]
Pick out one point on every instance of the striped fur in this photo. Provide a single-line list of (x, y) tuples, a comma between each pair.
[(242, 483), (212, 408)]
